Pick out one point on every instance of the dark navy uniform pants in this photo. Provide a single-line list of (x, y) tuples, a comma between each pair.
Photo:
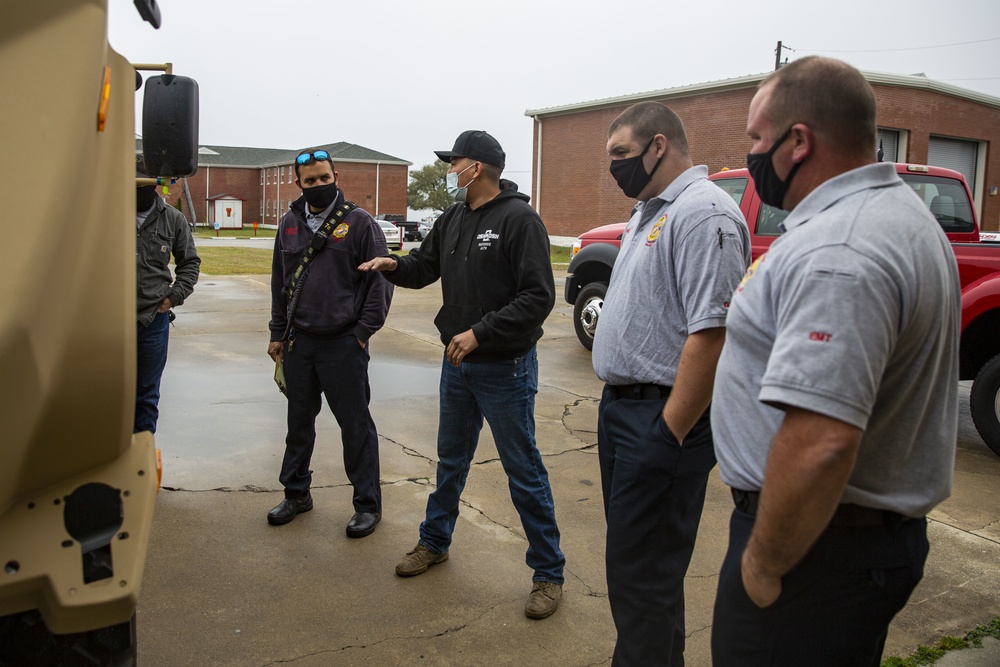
[(835, 606), (654, 490), (338, 369)]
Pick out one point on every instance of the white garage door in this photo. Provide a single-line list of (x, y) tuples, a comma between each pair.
[(888, 141), (954, 154)]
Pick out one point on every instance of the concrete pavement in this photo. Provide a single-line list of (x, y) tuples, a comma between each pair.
[(222, 587)]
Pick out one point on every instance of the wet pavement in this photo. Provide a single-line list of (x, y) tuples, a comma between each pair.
[(222, 587)]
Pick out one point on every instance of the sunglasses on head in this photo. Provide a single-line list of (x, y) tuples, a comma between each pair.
[(307, 158)]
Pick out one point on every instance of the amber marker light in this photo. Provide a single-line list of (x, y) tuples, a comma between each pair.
[(102, 112), (159, 470)]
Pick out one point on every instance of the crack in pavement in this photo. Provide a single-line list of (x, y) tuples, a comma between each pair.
[(973, 533), (420, 337), (252, 488), (567, 391), (422, 481), (701, 629), (409, 451), (590, 591), (991, 524), (568, 411), (446, 631), (491, 519)]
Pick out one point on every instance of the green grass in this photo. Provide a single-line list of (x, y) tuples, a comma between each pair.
[(231, 261), (245, 233), (228, 261), (560, 254), (928, 655)]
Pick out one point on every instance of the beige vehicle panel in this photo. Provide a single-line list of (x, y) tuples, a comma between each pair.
[(67, 317)]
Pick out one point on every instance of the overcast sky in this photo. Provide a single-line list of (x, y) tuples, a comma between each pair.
[(405, 77)]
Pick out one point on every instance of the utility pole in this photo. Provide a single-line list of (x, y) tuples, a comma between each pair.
[(777, 55)]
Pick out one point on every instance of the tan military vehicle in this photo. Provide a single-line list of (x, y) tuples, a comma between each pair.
[(77, 488)]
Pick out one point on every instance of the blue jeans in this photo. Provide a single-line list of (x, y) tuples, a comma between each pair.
[(151, 346), (504, 393)]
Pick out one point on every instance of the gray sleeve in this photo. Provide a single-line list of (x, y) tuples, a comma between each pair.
[(837, 316), (709, 262), (186, 261)]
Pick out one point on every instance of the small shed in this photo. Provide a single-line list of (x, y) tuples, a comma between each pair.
[(227, 210)]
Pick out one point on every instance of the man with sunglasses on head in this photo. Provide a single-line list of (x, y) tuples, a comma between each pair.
[(662, 329), (491, 252), (324, 348)]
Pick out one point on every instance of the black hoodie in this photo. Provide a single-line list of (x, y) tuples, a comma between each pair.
[(495, 270)]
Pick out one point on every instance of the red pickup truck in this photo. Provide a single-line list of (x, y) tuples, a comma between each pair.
[(945, 193)]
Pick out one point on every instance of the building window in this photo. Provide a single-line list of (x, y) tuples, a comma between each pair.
[(262, 177), (282, 174), (888, 143), (262, 203), (268, 176)]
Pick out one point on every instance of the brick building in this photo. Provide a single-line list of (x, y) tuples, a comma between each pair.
[(263, 180), (919, 120)]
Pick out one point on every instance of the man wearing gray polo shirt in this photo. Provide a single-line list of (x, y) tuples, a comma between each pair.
[(835, 400), (662, 328)]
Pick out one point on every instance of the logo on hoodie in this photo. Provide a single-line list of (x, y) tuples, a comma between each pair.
[(486, 239)]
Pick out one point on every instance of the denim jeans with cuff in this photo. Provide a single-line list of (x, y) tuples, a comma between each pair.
[(502, 392)]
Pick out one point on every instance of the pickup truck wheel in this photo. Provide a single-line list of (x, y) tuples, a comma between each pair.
[(984, 402), (587, 311)]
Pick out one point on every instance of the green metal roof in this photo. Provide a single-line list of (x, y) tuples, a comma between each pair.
[(241, 156)]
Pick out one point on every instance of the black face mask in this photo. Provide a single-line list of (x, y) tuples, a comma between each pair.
[(769, 187), (144, 198), (630, 175), (320, 196)]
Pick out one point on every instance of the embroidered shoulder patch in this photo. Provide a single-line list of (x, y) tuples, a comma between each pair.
[(654, 233), (341, 230)]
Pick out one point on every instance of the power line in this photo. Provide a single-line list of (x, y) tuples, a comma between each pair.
[(915, 48)]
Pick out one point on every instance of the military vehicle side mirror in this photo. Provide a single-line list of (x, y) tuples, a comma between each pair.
[(170, 126), (149, 11)]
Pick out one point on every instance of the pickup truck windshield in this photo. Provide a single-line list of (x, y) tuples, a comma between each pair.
[(768, 218), (946, 199)]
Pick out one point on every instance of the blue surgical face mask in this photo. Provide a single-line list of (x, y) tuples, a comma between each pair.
[(451, 184)]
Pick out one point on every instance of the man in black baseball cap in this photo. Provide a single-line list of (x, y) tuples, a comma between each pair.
[(476, 145), (491, 253)]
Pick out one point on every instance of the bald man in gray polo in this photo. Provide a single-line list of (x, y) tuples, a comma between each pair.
[(835, 401)]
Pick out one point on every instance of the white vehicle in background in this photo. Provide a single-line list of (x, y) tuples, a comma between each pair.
[(393, 234)]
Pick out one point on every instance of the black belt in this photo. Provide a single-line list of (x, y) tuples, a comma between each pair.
[(846, 516), (642, 391)]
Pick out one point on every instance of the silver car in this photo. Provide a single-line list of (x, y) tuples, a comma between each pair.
[(393, 234)]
